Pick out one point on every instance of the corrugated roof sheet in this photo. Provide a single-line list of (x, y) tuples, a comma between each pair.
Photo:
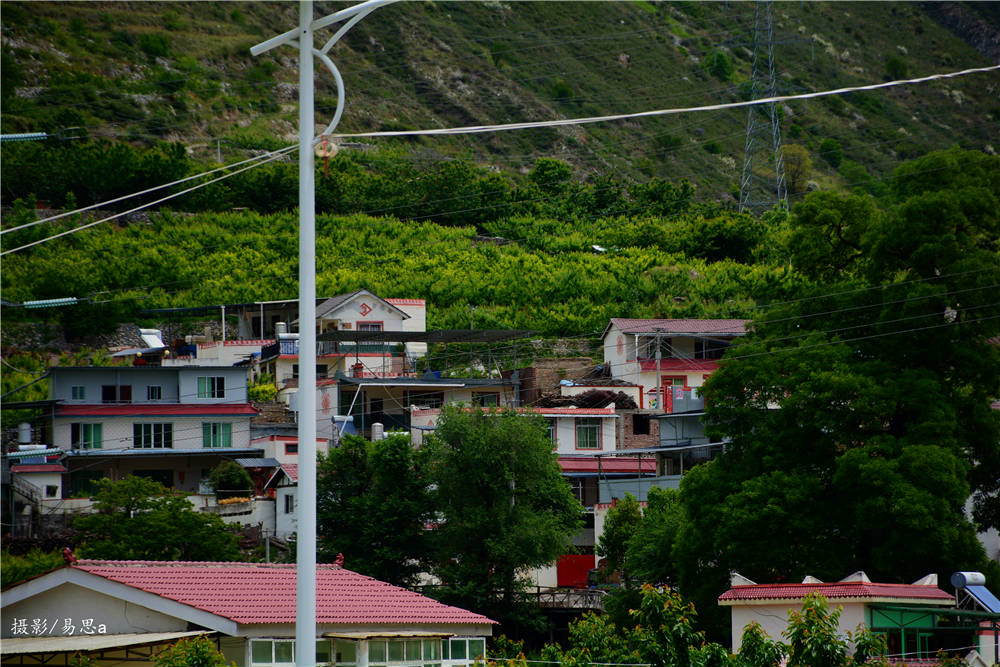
[(155, 410), (851, 589), (684, 326), (265, 593)]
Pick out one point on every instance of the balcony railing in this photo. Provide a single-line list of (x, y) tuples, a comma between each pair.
[(326, 347)]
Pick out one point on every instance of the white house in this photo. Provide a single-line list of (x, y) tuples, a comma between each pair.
[(115, 610), (907, 614), (658, 354), (171, 424)]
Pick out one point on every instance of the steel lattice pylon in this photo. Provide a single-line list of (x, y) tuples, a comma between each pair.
[(758, 190)]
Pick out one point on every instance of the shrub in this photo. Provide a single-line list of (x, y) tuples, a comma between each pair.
[(154, 44), (831, 151), (895, 67), (719, 65), (229, 480)]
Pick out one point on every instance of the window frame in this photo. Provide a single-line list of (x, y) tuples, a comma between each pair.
[(480, 398), (588, 423), (216, 435), (78, 392), (211, 386), (79, 432), (140, 437), (154, 392)]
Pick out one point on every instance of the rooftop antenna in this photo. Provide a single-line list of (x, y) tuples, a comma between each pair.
[(302, 37)]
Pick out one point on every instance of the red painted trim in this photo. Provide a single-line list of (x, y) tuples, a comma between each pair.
[(156, 410), (407, 302), (686, 365)]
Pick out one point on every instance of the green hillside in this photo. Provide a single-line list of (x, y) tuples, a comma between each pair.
[(145, 71)]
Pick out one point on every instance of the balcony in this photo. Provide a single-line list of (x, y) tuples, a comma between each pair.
[(325, 348), (683, 399)]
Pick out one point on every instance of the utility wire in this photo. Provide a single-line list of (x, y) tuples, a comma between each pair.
[(479, 129)]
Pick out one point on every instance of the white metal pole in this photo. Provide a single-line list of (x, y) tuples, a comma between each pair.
[(305, 605)]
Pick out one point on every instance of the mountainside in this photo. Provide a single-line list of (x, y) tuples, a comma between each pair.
[(145, 71)]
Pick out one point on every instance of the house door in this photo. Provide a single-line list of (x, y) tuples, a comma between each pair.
[(667, 385)]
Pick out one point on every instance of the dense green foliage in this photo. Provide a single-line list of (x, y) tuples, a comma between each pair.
[(200, 651), (139, 519), (373, 504), (503, 508), (860, 414), (15, 568), (230, 480), (620, 527)]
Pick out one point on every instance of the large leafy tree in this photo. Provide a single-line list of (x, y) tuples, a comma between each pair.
[(373, 504), (859, 415), (140, 519), (503, 507)]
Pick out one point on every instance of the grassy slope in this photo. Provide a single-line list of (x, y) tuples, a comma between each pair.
[(143, 71)]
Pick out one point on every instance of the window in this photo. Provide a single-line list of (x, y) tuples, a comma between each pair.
[(291, 448), (369, 326), (289, 504), (425, 399), (710, 349), (640, 424), (154, 392), (321, 370), (51, 490), (79, 392), (113, 393), (273, 652), (588, 433), (552, 432), (216, 434), (211, 387), (486, 400), (402, 652), (86, 436), (464, 649), (153, 436)]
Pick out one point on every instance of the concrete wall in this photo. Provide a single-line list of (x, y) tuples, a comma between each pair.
[(117, 432), (773, 618), (78, 604)]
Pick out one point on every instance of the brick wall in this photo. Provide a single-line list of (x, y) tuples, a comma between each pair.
[(628, 439)]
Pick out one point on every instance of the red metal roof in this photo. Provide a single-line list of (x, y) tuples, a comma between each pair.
[(610, 464), (687, 326), (265, 593), (837, 590), (38, 467), (156, 410)]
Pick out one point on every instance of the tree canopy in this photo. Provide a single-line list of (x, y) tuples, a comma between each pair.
[(859, 414), (502, 504), (373, 504), (137, 518)]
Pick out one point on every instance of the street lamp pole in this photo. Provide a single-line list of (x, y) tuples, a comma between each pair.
[(302, 37)]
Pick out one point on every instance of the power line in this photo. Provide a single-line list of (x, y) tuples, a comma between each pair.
[(479, 129)]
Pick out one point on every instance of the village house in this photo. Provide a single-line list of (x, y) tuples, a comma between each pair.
[(917, 619), (115, 611)]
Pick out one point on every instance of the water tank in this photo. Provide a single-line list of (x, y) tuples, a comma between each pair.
[(281, 327), (24, 433), (963, 579), (378, 431)]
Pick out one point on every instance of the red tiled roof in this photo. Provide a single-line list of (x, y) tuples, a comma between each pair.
[(156, 410), (292, 470), (688, 326), (609, 465), (38, 467), (265, 593), (837, 590)]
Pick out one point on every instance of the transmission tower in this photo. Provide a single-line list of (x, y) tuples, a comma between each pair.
[(762, 183)]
